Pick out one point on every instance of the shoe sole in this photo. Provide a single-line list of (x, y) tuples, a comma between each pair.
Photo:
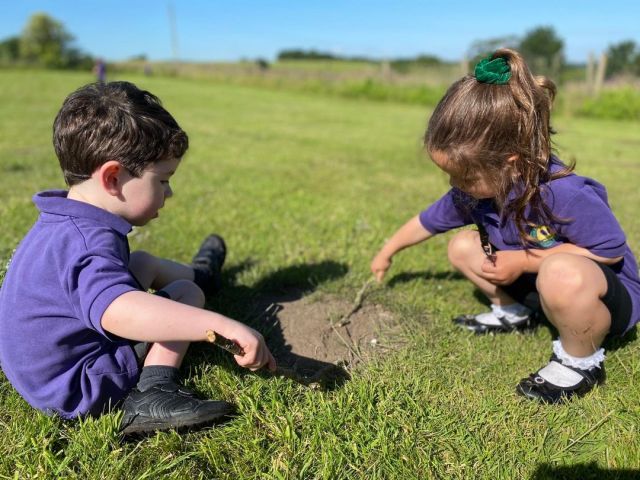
[(489, 330), (144, 427)]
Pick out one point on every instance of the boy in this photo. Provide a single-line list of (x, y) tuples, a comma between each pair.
[(74, 307)]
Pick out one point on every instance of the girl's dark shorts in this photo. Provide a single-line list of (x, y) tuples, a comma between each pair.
[(616, 299)]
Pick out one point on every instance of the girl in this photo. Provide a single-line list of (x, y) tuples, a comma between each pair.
[(546, 236)]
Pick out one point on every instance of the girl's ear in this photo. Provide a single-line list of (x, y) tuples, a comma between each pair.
[(513, 158), (110, 177)]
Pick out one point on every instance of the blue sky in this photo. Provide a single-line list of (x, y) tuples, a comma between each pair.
[(228, 30)]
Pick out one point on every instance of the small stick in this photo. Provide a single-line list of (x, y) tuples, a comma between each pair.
[(224, 343), (346, 344), (357, 303), (232, 347)]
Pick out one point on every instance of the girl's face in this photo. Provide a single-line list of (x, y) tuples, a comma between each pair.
[(478, 185)]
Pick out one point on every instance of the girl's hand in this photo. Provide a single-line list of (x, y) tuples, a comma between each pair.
[(380, 265), (508, 267)]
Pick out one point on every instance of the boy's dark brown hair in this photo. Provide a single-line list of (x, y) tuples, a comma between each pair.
[(114, 121), (480, 126)]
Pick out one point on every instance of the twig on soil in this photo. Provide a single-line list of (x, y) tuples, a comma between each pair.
[(347, 344), (357, 303)]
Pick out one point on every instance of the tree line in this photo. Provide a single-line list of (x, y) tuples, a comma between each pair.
[(45, 42), (542, 47)]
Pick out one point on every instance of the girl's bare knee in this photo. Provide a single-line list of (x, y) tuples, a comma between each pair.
[(561, 279), (463, 245)]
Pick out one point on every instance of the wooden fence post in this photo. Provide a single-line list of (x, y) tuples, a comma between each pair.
[(602, 68)]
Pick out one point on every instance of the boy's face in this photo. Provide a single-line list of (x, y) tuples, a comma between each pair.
[(144, 196)]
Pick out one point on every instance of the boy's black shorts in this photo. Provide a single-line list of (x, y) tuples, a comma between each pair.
[(616, 299)]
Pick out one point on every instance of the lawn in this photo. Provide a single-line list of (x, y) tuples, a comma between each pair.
[(305, 189)]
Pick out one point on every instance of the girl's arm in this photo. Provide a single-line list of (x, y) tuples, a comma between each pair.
[(534, 257), (510, 264), (411, 233)]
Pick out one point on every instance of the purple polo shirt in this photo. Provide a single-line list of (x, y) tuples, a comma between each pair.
[(64, 274), (581, 201)]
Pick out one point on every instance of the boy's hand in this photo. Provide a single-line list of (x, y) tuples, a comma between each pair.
[(509, 265), (256, 354), (380, 265)]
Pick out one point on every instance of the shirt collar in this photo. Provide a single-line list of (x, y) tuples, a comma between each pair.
[(56, 202)]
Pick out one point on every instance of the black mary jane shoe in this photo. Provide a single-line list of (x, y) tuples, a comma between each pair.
[(537, 388), (471, 323)]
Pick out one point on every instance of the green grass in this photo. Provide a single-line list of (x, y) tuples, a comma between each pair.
[(305, 189)]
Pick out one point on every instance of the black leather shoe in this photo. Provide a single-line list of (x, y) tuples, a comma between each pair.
[(169, 405), (537, 388), (207, 264), (470, 322)]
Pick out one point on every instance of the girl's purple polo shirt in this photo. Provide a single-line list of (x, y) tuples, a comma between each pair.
[(64, 274), (579, 200)]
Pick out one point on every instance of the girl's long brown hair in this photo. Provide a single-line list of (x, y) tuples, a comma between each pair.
[(481, 126)]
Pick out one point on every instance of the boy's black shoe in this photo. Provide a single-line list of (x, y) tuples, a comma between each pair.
[(169, 405), (207, 264), (537, 388), (472, 323)]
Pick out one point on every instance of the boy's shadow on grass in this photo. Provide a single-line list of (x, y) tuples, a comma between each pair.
[(585, 471), (258, 306)]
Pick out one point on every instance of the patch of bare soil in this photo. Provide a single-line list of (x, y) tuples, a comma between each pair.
[(316, 339)]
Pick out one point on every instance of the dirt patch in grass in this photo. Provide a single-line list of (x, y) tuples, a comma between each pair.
[(313, 335)]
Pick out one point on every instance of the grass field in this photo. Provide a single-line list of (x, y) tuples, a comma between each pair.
[(305, 189)]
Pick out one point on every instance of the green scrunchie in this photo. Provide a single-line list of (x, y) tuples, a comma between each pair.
[(496, 71)]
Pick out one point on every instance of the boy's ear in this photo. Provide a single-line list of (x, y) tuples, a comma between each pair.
[(110, 177)]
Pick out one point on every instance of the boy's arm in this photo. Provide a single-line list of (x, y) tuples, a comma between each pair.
[(411, 233), (141, 316)]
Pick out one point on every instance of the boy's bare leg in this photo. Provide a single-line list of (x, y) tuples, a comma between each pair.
[(172, 353), (155, 272), (159, 400)]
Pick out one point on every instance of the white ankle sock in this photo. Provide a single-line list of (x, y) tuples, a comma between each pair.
[(513, 313), (559, 374), (583, 363)]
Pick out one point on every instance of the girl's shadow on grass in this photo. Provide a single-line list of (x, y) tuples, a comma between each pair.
[(584, 471), (611, 344), (406, 277), (258, 306), (532, 301)]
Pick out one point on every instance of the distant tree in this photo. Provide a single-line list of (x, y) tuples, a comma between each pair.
[(543, 50), (304, 55), (623, 57), (262, 64), (10, 50), (482, 48), (46, 42), (403, 65)]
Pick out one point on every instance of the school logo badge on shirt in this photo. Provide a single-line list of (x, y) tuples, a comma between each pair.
[(543, 236)]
